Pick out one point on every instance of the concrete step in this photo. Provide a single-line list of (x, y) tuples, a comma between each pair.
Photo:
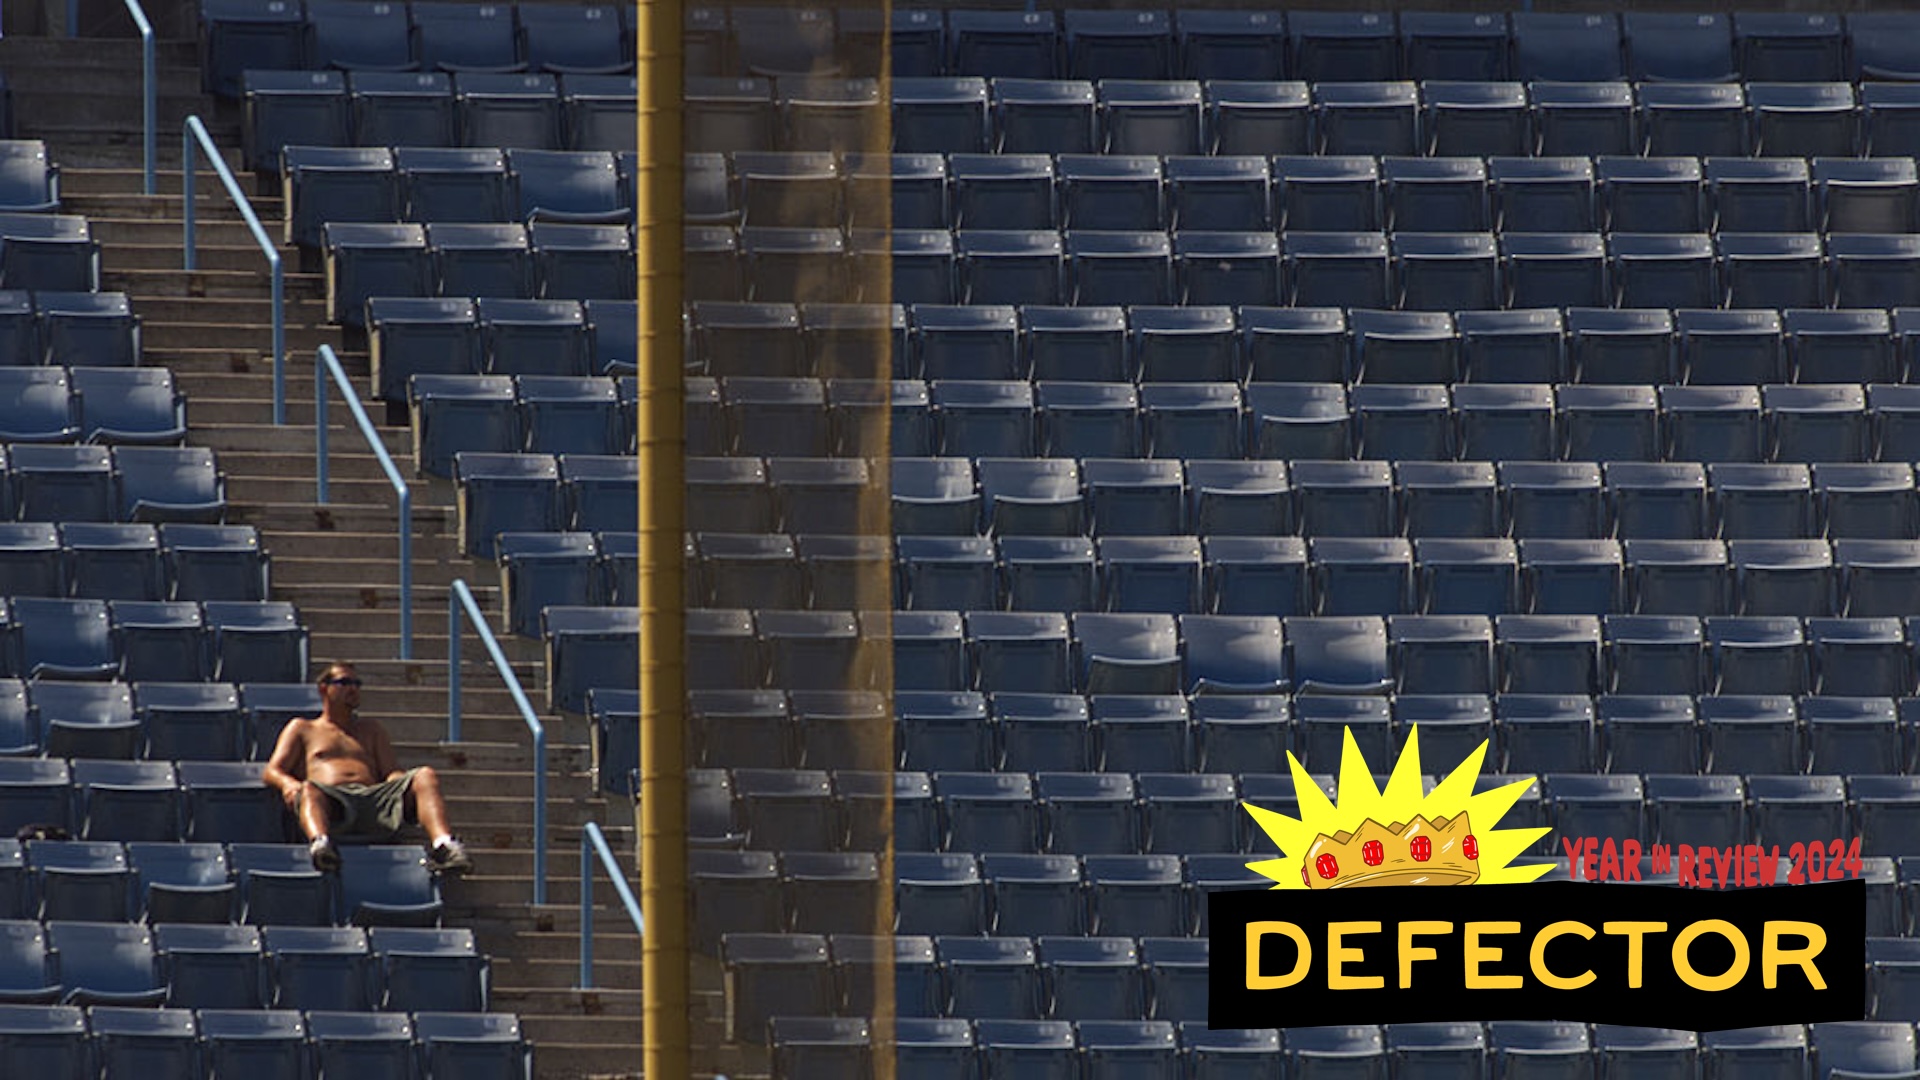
[(347, 459), (108, 109), (120, 257), (341, 491), (210, 200), (254, 312), (124, 183), (213, 226), (302, 337), (339, 515), (303, 293), (576, 1061), (28, 55), (321, 569), (244, 443)]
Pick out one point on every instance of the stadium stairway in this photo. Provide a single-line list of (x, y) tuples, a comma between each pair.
[(338, 562)]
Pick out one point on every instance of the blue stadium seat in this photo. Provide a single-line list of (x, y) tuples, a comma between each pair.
[(1762, 501), (597, 111), (1648, 733), (1866, 501), (538, 569), (1338, 655), (420, 336), (1678, 577), (1504, 421), (1747, 735), (1231, 45), (1233, 654), (89, 329), (127, 800), (1126, 653), (129, 405), (1220, 193), (1548, 270), (1344, 498), (1694, 117), (1029, 496), (81, 880), (240, 35), (993, 978), (1183, 344), (1441, 654), (1160, 118), (1876, 576), (1887, 118), (505, 493), (587, 647), (1884, 810), (369, 260), (1134, 896), (1586, 118), (1150, 573), (1086, 813), (1544, 195), (515, 111), (1787, 808), (1475, 118), (1712, 423), (1183, 814), (1446, 271), (1863, 1047), (1337, 44), (1451, 727), (573, 40), (106, 963), (40, 405), (1138, 732), (1313, 1053), (169, 484), (487, 1046), (1851, 346), (227, 802), (1420, 1050), (116, 562), (1191, 420), (1044, 732), (1256, 575), (1803, 119), (63, 639), (1758, 655), (1298, 420), (592, 262), (85, 719), (1445, 194), (288, 108), (1090, 420), (1656, 654), (596, 493), (183, 883), (1866, 195), (1457, 576), (1759, 195), (1258, 118), (1783, 577), (31, 563), (1552, 499), (934, 496), (329, 184), (1319, 193), (263, 642), (1093, 978), (61, 483), (1377, 118), (1405, 346), (729, 114), (1112, 192), (48, 252), (1134, 498), (1653, 501), (1361, 575), (1851, 734), (1235, 498), (1548, 654)]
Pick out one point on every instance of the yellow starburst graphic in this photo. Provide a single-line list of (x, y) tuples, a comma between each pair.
[(1401, 802)]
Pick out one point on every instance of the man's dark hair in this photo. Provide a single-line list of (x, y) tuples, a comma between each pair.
[(320, 681)]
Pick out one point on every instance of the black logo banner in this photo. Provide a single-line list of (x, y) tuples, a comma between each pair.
[(1596, 953)]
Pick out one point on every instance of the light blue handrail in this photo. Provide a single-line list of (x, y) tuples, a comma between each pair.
[(594, 842), (193, 131), (460, 600), (324, 358)]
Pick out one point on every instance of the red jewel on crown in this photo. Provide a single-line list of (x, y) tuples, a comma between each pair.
[(1327, 866), (1470, 847), (1421, 848), (1373, 853)]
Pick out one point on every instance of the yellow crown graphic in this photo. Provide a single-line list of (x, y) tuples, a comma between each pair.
[(1423, 851)]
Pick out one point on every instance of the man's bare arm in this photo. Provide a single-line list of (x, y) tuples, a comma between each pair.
[(386, 763), (286, 770)]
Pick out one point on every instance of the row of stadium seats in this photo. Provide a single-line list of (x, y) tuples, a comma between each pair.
[(91, 404), (67, 329), (1266, 499), (1259, 194), (199, 722), (1119, 653), (54, 482), (1231, 575), (535, 112), (363, 260), (531, 493), (48, 253), (789, 810), (575, 417), (112, 561), (1086, 43), (1651, 726), (1423, 272), (1255, 344), (454, 336), (822, 1048), (1130, 116), (66, 1041), (206, 881), (29, 181), (239, 35), (452, 186), (1406, 411), (92, 640), (1269, 44)]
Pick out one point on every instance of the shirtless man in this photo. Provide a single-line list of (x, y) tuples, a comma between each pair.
[(337, 773)]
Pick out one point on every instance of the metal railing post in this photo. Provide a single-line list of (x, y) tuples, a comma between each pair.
[(148, 90), (460, 600), (193, 131), (593, 842), (327, 366)]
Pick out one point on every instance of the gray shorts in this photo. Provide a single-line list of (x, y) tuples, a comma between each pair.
[(376, 810)]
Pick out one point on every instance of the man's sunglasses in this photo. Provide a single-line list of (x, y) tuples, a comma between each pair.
[(344, 682)]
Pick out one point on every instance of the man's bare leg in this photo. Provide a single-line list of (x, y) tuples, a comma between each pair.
[(430, 810), (316, 815)]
